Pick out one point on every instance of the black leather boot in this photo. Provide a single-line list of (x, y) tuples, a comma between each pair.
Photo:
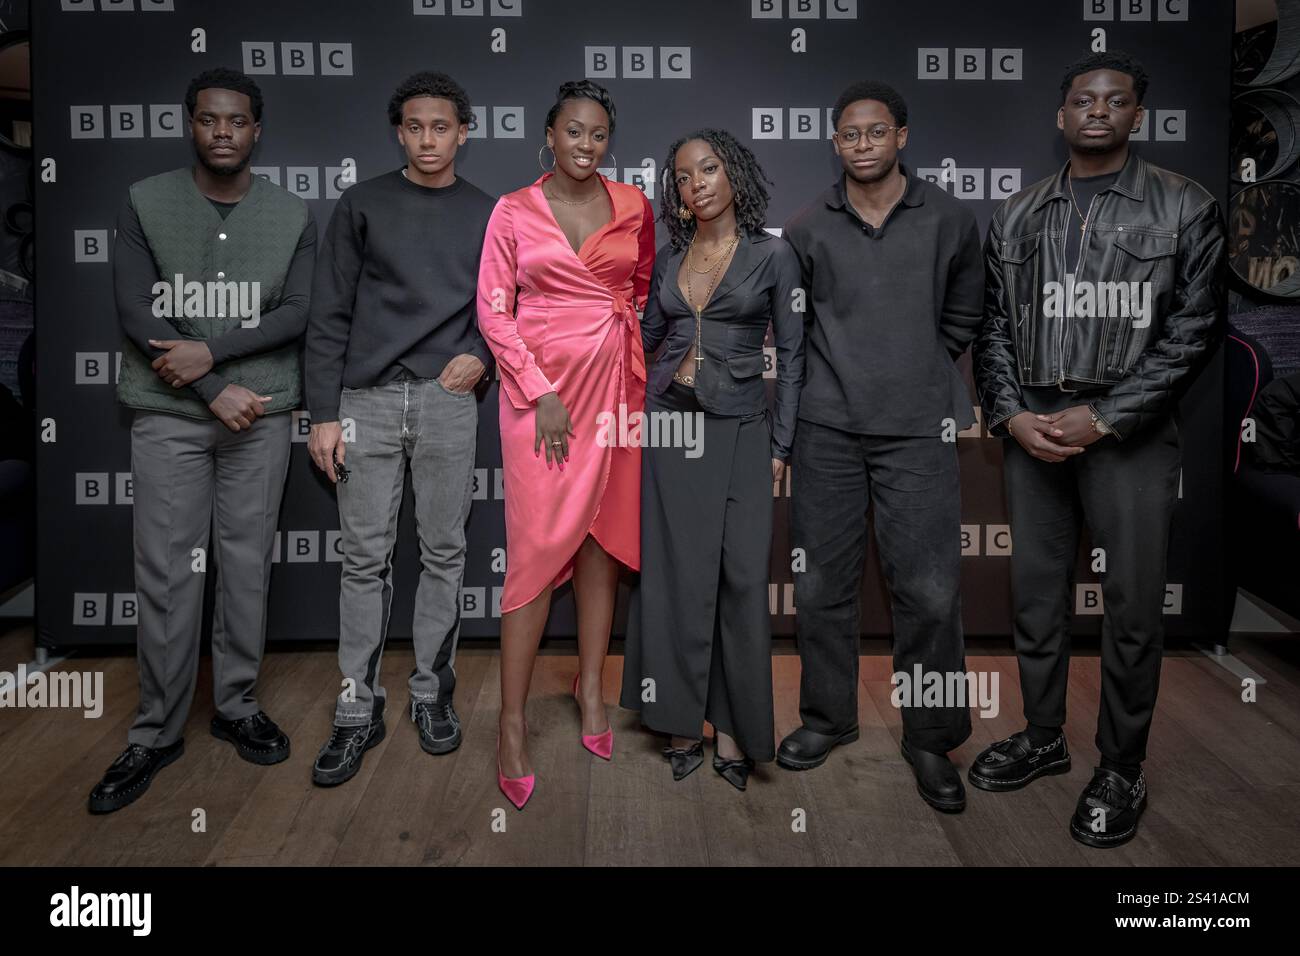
[(804, 749), (937, 780)]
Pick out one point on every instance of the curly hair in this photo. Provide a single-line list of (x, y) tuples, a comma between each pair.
[(1116, 60), (871, 90), (743, 172), (429, 83), (224, 79), (582, 89)]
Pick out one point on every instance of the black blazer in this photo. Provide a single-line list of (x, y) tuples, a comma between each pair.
[(759, 287)]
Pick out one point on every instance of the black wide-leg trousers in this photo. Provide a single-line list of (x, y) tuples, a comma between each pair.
[(913, 486)]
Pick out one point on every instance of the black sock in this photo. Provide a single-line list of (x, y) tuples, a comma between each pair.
[(1129, 771), (1042, 736)]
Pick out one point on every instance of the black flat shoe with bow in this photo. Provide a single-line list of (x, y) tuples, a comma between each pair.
[(685, 760), (735, 772)]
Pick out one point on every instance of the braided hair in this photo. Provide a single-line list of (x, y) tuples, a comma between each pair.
[(743, 172)]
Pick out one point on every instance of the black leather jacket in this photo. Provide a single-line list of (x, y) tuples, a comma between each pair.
[(756, 289), (1151, 226)]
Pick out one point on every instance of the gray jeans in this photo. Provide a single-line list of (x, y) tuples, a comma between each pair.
[(419, 422)]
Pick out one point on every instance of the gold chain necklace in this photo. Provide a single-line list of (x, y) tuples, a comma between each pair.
[(707, 259), (569, 202), (690, 299), (1083, 223)]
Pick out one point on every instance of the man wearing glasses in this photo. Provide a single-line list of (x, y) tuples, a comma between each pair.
[(894, 277)]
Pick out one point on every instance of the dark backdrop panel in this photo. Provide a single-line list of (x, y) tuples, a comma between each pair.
[(981, 82)]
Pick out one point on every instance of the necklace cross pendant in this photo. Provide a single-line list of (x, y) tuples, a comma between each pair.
[(699, 354)]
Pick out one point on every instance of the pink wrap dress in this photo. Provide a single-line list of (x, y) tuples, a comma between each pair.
[(567, 322)]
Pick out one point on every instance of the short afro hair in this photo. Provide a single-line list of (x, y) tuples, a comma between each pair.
[(430, 83), (1116, 60), (224, 79), (871, 90), (582, 89)]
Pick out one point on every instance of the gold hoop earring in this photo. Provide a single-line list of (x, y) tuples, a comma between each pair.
[(684, 214), (546, 169)]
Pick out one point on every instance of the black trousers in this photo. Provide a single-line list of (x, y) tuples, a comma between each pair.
[(1126, 491), (698, 622), (913, 486)]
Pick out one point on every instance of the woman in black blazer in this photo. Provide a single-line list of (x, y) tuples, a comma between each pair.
[(699, 633)]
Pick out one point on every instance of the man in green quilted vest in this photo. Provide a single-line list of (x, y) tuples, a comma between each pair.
[(212, 276)]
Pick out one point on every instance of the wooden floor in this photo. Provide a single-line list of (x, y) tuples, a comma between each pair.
[(1224, 779)]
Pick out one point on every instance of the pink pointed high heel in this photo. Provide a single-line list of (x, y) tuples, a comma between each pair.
[(602, 744), (517, 789)]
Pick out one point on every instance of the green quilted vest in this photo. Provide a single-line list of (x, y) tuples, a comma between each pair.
[(186, 233)]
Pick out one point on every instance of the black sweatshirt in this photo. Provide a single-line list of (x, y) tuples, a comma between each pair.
[(396, 286), (134, 276), (890, 309)]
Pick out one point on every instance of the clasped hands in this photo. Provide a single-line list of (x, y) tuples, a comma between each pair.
[(1056, 436)]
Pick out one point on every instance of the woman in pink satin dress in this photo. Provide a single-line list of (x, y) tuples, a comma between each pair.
[(566, 263)]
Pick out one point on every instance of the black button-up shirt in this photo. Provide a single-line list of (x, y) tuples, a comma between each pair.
[(757, 288), (889, 311)]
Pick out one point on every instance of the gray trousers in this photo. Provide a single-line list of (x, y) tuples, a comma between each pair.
[(420, 423), (189, 477)]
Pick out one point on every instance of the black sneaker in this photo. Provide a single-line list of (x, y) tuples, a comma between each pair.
[(257, 739), (129, 776), (438, 725), (1013, 763), (1109, 808), (340, 758)]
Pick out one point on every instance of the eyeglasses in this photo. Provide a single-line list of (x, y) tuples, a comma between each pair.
[(876, 135)]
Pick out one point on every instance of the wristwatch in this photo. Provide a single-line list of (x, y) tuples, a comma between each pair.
[(1099, 426)]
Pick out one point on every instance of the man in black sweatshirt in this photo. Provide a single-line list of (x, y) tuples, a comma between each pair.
[(393, 356)]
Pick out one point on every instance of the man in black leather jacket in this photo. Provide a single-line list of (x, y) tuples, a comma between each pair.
[(1104, 298)]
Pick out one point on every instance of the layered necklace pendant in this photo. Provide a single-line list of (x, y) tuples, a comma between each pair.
[(715, 272)]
